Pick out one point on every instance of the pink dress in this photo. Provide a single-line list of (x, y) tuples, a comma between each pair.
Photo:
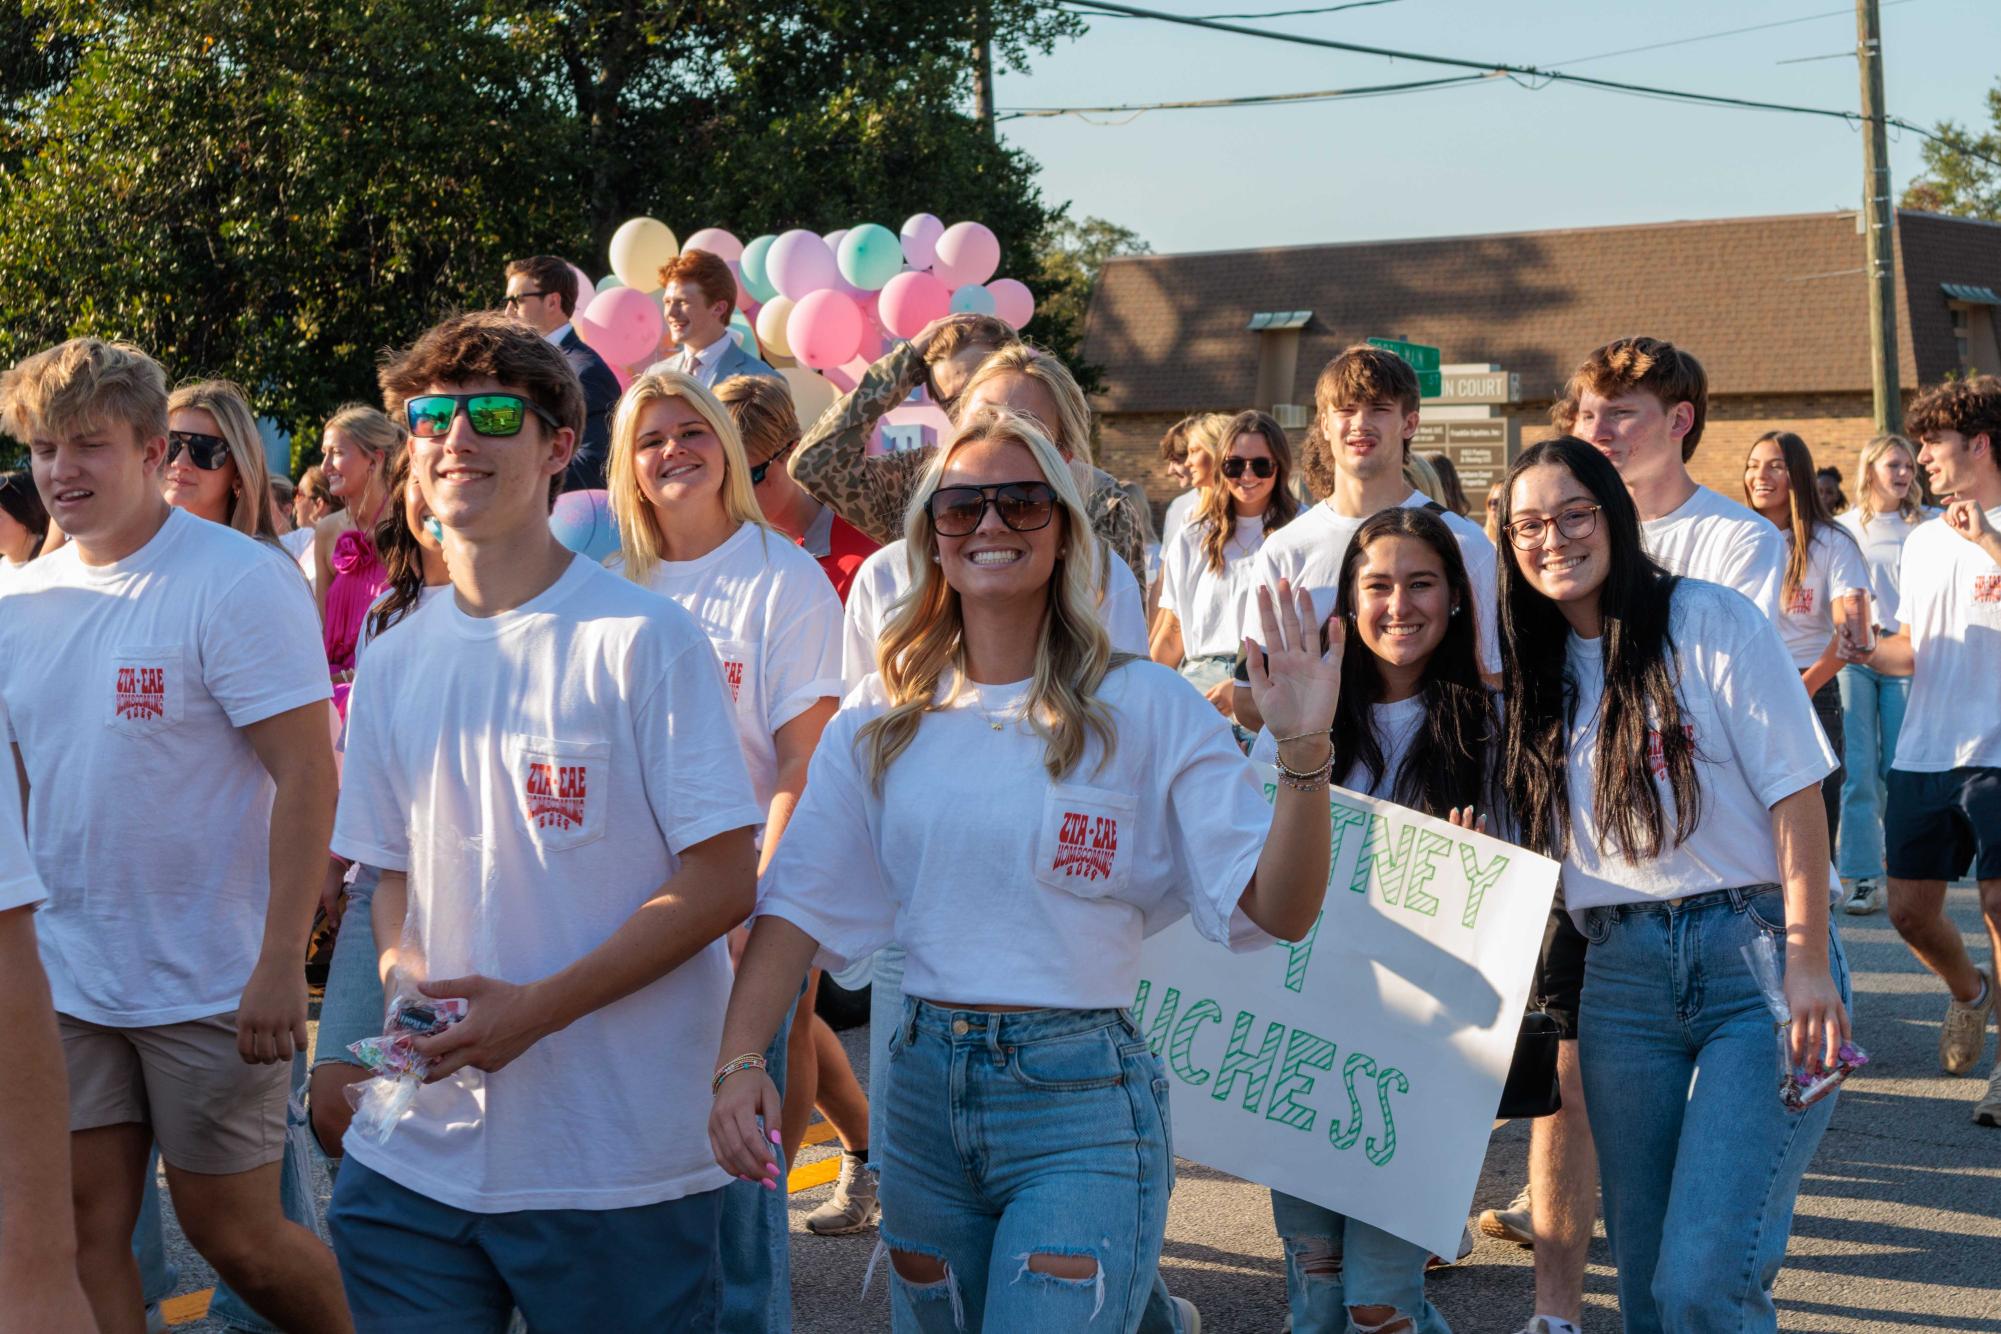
[(358, 579)]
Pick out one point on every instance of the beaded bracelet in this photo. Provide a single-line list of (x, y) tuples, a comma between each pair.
[(1313, 780), (748, 1061)]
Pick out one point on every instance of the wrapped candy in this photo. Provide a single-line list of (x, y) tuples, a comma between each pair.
[(398, 1066), (1799, 1089)]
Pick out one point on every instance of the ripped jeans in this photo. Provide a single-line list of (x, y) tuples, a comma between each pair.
[(1333, 1262), (1020, 1143)]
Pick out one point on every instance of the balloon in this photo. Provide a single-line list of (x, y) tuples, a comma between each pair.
[(584, 288), (639, 248), (824, 329), (623, 325), (604, 284), (744, 300), (870, 256), (834, 239), (799, 263), (1013, 302), (752, 261), (622, 375), (581, 521), (920, 235), (743, 331), (972, 299), (912, 300), (811, 394), (967, 252), (771, 322), (716, 242)]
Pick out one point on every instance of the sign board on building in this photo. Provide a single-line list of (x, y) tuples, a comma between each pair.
[(1423, 359), (1478, 387), (1480, 450)]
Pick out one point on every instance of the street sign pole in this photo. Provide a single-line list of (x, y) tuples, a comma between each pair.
[(1423, 359)]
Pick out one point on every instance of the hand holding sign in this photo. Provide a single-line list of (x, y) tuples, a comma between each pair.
[(1293, 683)]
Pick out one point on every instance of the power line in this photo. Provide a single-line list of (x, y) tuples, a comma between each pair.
[(1135, 109), (1288, 13), (1712, 36)]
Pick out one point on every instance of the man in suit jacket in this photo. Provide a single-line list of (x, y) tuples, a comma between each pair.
[(700, 294), (542, 294)]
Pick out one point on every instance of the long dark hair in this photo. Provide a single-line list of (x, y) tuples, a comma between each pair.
[(24, 505), (402, 556), (1447, 764), (1640, 678), (1809, 513)]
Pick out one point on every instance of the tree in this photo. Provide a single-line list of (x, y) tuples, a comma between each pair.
[(1071, 259), (1956, 180)]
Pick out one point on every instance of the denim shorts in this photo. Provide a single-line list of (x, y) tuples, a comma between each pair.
[(352, 1006)]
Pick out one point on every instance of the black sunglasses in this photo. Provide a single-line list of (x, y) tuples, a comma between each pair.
[(516, 298), (956, 511), (758, 470), (431, 415), (1233, 468), (207, 452)]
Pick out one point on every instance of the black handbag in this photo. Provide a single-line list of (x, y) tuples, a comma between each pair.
[(1532, 1089)]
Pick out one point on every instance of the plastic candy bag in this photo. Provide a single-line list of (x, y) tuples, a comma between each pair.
[(1798, 1089), (398, 1066)]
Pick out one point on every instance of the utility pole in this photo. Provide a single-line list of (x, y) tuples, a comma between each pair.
[(1878, 219), (983, 67)]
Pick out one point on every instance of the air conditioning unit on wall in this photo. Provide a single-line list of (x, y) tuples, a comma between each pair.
[(1292, 416)]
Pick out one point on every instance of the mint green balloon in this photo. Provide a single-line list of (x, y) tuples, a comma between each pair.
[(870, 256), (754, 277)]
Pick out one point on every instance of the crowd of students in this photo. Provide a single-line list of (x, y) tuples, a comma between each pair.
[(924, 718)]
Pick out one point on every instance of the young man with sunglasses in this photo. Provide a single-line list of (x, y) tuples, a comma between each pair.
[(544, 766), (542, 294), (167, 701)]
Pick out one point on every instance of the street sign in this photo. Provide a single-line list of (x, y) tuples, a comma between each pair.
[(1490, 387), (1480, 450), (1422, 359)]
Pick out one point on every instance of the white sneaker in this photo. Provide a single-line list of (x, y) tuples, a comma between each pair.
[(1862, 898), (1513, 1223), (156, 1319), (1549, 1324), (852, 1207), (1465, 1249), (1963, 1036), (1191, 1319)]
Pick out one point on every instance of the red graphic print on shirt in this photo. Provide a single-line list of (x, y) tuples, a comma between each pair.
[(556, 794), (1987, 588), (1086, 845), (1800, 603), (1657, 754), (142, 693), (733, 674)]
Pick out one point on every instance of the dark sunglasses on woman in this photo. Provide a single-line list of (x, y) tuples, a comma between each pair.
[(207, 452), (1233, 468), (956, 511)]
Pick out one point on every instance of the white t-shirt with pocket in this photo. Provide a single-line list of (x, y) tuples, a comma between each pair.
[(1715, 539), (1208, 603), (1007, 887), (1806, 618), (1756, 742), (149, 814), (1951, 603), (775, 622), (538, 774)]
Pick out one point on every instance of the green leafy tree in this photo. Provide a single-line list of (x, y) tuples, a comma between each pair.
[(1962, 173), (1072, 256)]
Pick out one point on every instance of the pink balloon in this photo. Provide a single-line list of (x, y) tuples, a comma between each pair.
[(623, 376), (824, 329), (967, 253), (745, 302), (584, 286), (622, 325), (920, 235), (716, 241), (1013, 302), (799, 263), (909, 301)]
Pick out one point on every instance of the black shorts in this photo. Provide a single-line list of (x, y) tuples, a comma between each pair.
[(1938, 824), (1560, 972)]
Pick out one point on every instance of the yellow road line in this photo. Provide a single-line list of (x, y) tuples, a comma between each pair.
[(813, 1174), (820, 1132), (188, 1307)]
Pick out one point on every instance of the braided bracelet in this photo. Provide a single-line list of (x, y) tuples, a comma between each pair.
[(748, 1061)]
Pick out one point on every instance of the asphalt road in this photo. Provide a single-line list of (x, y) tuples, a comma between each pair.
[(1898, 1226)]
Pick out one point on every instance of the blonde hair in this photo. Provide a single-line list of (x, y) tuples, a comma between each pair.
[(82, 385), (764, 414), (1910, 507), (371, 430), (925, 636), (641, 544), (1071, 431), (1417, 470), (249, 507)]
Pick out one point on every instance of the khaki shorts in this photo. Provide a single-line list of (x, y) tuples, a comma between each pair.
[(209, 1110)]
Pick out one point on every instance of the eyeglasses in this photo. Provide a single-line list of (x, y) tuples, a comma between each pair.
[(514, 299), (1023, 506), (1233, 468), (1580, 521), (758, 470), (431, 415), (207, 452)]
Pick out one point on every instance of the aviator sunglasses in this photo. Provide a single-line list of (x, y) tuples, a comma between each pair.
[(207, 452), (430, 415), (1233, 468), (1023, 506)]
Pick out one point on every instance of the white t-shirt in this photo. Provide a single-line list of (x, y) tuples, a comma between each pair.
[(1951, 603), (149, 814), (1007, 888), (1833, 566), (1723, 542), (366, 634), (1395, 726), (1756, 742), (885, 577), (1882, 544), (774, 620), (1176, 518), (1209, 605), (10, 570), (20, 885), (539, 774), (1308, 551)]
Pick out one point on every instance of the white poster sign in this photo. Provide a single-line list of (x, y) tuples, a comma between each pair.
[(1360, 1068)]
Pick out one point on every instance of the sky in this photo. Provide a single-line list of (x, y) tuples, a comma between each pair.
[(1491, 156)]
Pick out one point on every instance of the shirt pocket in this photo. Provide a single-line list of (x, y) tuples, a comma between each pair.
[(560, 788), (740, 665), (147, 689), (1086, 843)]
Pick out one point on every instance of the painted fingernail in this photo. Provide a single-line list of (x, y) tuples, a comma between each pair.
[(777, 1138), (770, 1184)]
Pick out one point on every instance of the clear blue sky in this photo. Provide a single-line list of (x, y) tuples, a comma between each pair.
[(1493, 156)]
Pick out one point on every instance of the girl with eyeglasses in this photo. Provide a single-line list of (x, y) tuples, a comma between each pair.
[(1019, 807), (1654, 745), (360, 446), (1205, 575), (24, 524), (690, 528), (215, 459)]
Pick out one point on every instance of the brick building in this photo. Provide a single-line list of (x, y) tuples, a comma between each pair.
[(1777, 309)]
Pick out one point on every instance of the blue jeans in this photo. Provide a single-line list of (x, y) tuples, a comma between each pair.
[(753, 1241), (1333, 1262), (1699, 1159), (411, 1263), (1037, 1133), (1873, 713), (352, 1006)]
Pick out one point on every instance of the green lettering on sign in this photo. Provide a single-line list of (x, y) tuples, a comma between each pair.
[(1184, 1037), (1478, 881), (1297, 953), (1380, 1152), (1423, 868), (1344, 1137), (1302, 1049), (1238, 1059)]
